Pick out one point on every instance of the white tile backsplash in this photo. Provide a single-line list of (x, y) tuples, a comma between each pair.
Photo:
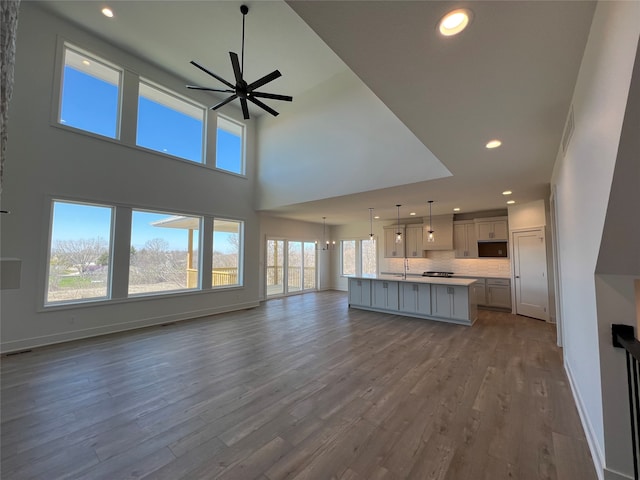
[(445, 261)]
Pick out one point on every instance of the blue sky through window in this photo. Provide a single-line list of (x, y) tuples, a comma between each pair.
[(73, 221), (143, 230), (228, 151), (89, 103), (166, 130)]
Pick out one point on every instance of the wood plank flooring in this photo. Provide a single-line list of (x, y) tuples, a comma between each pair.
[(298, 388)]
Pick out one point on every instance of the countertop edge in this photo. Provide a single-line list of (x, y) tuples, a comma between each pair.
[(464, 282)]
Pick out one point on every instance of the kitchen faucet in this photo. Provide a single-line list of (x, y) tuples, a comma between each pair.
[(406, 268)]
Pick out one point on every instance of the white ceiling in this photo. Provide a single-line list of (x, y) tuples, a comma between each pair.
[(510, 75)]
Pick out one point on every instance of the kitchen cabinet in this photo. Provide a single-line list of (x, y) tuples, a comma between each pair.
[(478, 291), (499, 293), (413, 237), (359, 292), (415, 298), (384, 294), (441, 299), (442, 226), (464, 240), (391, 248), (450, 301), (492, 230)]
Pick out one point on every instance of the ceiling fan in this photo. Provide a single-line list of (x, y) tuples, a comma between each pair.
[(241, 89)]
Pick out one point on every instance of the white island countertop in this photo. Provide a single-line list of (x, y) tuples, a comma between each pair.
[(464, 282)]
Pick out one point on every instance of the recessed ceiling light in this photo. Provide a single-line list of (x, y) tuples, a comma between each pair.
[(493, 143), (107, 12), (507, 192), (86, 62), (511, 202), (377, 217), (412, 214), (457, 209), (454, 22)]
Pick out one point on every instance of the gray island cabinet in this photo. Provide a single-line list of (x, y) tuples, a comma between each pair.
[(441, 299)]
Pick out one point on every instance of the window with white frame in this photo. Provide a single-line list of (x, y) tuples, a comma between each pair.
[(170, 124), (348, 256), (230, 146), (358, 258), (368, 258), (79, 252), (164, 252), (90, 93), (227, 253)]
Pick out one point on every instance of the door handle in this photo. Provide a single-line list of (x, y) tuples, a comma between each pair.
[(517, 276)]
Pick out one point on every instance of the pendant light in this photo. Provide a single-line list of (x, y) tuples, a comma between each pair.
[(398, 232), (430, 237), (326, 245), (371, 224), (325, 242)]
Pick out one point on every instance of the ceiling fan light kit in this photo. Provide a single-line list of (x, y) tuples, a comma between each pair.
[(242, 89)]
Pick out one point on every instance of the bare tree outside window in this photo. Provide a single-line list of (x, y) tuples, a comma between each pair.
[(79, 252), (348, 257), (369, 257)]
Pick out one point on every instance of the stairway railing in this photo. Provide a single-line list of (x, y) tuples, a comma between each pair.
[(624, 337)]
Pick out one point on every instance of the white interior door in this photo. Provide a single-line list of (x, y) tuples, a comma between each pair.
[(530, 267)]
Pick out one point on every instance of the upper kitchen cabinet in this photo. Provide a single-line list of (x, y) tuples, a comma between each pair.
[(442, 231), (414, 247), (393, 249), (464, 239), (492, 229)]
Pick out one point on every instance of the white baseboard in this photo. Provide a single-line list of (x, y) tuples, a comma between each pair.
[(594, 446), (599, 459), (35, 342)]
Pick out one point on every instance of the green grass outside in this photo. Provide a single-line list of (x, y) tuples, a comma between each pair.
[(74, 282)]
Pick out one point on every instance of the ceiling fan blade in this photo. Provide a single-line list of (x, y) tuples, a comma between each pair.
[(245, 108), (264, 80), (224, 102), (194, 87), (236, 66), (273, 96), (264, 106), (220, 79)]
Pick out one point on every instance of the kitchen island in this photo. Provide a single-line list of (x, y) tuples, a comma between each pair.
[(441, 299)]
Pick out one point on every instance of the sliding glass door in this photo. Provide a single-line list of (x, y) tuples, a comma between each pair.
[(290, 267)]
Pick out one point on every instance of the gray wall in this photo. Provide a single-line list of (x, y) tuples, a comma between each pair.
[(45, 160), (582, 182)]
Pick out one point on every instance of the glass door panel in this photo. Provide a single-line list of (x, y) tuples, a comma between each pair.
[(294, 267), (275, 267), (309, 258)]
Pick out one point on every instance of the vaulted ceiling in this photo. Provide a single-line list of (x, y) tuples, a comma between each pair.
[(385, 109)]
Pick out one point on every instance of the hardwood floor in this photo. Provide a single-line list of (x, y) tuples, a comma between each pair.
[(301, 387)]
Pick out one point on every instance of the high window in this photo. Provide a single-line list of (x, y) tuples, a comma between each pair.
[(230, 146), (79, 252), (90, 97), (227, 248), (164, 252), (169, 124)]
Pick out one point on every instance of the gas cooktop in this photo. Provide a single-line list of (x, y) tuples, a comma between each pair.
[(438, 274)]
